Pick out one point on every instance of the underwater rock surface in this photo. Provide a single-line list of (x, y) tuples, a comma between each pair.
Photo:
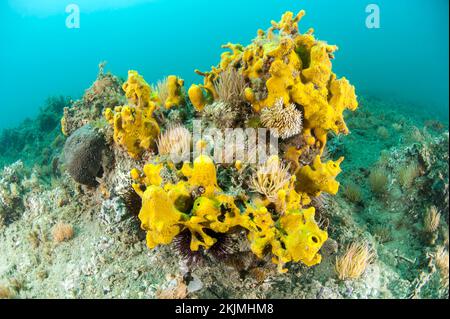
[(82, 155)]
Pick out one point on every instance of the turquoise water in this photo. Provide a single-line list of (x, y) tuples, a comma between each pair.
[(406, 58)]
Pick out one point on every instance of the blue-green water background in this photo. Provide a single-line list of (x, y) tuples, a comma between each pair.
[(407, 58)]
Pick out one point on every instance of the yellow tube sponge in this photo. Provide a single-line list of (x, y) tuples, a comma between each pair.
[(254, 62), (320, 177), (138, 91), (229, 57), (175, 92), (319, 70), (204, 210), (342, 97), (202, 174), (288, 23), (159, 217), (167, 210), (134, 127), (294, 237), (278, 85), (209, 80), (201, 95), (303, 237), (262, 231), (153, 174), (216, 212), (197, 97), (286, 64)]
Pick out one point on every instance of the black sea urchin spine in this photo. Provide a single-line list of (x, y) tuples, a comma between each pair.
[(182, 244)]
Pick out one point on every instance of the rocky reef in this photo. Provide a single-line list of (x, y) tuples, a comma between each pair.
[(137, 206), (37, 142)]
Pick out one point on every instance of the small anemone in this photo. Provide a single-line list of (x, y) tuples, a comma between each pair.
[(379, 180), (432, 219), (230, 87), (358, 256), (270, 177), (161, 88), (176, 141)]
